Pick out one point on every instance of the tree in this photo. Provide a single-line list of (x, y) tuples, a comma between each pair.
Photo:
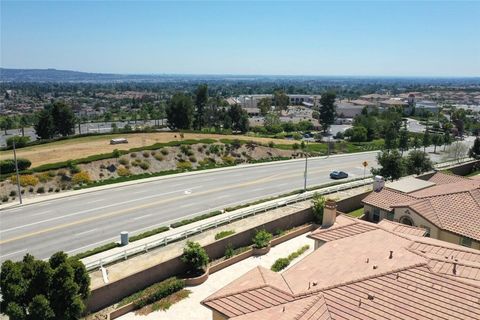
[(426, 141), (35, 289), (24, 121), (262, 238), (403, 140), (44, 127), (418, 162), (6, 123), (437, 140), (391, 165), (201, 98), (281, 100), (327, 110), (265, 105), (391, 137), (40, 309), (474, 151), (318, 206), (356, 134), (416, 143), (195, 257), (272, 123), (456, 151), (63, 118), (447, 140), (239, 118), (180, 112)]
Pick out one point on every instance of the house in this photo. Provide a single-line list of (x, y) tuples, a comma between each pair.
[(360, 270), (447, 206)]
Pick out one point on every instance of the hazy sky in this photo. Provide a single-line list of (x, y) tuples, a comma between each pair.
[(250, 37)]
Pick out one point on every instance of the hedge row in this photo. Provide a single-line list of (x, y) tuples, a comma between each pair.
[(149, 233), (195, 219), (96, 250), (159, 291), (8, 166), (282, 263)]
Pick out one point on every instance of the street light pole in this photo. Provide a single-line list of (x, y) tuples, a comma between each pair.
[(16, 170), (305, 173)]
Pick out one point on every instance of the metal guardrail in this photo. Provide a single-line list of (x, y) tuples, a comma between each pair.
[(240, 214), (226, 219)]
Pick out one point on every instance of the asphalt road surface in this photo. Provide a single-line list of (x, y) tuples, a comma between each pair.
[(87, 220), (84, 221)]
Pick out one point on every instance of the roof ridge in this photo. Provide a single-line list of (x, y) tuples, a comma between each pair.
[(463, 249), (307, 307), (320, 230), (236, 292), (463, 263), (340, 284)]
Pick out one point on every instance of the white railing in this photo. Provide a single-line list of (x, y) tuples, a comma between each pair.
[(224, 219)]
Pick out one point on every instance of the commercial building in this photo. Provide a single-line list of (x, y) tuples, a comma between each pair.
[(360, 270)]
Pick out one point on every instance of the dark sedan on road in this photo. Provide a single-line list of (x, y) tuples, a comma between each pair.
[(338, 175)]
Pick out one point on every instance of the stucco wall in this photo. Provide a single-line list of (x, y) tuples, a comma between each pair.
[(418, 221)]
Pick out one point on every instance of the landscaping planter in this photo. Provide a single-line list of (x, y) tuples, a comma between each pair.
[(261, 251), (195, 281)]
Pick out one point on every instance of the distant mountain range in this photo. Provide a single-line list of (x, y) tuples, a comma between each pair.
[(54, 75)]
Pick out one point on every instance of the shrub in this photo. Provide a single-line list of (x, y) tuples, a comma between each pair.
[(51, 173), (214, 148), (133, 155), (13, 193), (192, 159), (228, 160), (164, 152), (25, 180), (261, 239), (62, 172), (102, 167), (318, 204), (149, 233), (43, 177), (123, 172), (20, 142), (57, 190), (200, 149), (153, 153), (146, 154), (271, 144), (30, 189), (207, 162), (159, 291), (223, 234), (40, 190), (4, 198), (280, 264), (195, 257), (229, 251), (185, 149), (145, 165), (81, 177), (124, 161), (50, 189), (195, 219), (159, 157), (8, 166), (185, 165)]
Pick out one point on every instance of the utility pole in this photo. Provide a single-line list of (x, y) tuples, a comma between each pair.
[(16, 170)]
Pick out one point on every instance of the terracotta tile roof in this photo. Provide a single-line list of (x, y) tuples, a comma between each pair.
[(342, 231), (386, 198), (443, 178), (401, 228), (354, 278)]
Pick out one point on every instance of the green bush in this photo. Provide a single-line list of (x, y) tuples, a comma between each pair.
[(144, 165), (280, 264), (159, 157), (192, 159), (154, 293), (124, 161), (133, 155), (228, 160), (20, 142), (96, 250), (40, 190), (4, 198), (8, 166), (164, 152), (223, 234), (195, 257), (229, 251), (261, 239), (146, 154), (195, 219), (185, 165), (149, 233), (318, 205)]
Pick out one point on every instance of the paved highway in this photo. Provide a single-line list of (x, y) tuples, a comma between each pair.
[(88, 220)]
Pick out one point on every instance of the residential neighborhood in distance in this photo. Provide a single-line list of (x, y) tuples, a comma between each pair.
[(240, 160)]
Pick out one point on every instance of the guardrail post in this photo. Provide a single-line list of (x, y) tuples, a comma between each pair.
[(146, 247), (125, 254)]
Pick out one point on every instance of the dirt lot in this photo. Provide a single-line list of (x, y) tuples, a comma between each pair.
[(87, 146)]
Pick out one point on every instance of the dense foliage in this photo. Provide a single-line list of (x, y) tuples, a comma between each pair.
[(195, 257), (261, 239), (35, 289)]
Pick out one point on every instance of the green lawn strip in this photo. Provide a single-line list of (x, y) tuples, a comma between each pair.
[(223, 234), (282, 263), (112, 245), (195, 219), (356, 213)]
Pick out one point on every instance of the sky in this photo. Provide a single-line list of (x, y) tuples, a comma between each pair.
[(379, 38)]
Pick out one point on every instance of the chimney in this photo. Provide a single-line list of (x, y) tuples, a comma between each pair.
[(329, 213)]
